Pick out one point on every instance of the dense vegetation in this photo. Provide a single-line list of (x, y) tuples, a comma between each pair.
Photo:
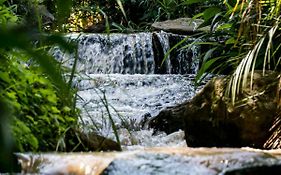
[(37, 105), (245, 37), (39, 101)]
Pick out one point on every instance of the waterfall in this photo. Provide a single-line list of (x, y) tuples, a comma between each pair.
[(122, 76), (140, 53)]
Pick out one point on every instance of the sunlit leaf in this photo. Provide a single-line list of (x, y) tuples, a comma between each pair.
[(122, 8), (197, 15), (55, 110), (224, 26)]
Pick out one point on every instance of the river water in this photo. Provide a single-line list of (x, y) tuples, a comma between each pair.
[(121, 76)]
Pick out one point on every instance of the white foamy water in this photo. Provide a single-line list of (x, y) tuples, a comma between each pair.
[(117, 82), (128, 54), (127, 99)]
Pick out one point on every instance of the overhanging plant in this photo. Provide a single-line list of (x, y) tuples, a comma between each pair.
[(245, 36)]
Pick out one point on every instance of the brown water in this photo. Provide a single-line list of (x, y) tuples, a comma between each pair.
[(149, 161)]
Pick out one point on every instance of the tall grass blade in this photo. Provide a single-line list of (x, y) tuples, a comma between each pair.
[(122, 8), (206, 64)]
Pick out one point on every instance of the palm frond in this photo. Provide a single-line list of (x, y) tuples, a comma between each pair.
[(247, 65)]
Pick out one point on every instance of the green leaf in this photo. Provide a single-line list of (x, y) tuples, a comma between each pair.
[(4, 76), (197, 15), (206, 64), (55, 110), (30, 118), (210, 13), (52, 99), (63, 9), (66, 109), (2, 1), (230, 41), (224, 26), (189, 2), (208, 54), (38, 95), (122, 8), (45, 119), (12, 95), (33, 141)]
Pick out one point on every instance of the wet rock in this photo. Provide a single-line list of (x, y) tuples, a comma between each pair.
[(181, 26), (150, 161), (99, 143), (168, 120), (210, 119), (179, 61), (90, 141), (256, 170)]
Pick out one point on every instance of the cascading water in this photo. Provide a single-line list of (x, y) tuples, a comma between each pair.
[(130, 54), (122, 76), (115, 53)]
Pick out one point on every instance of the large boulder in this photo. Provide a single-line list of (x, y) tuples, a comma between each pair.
[(210, 119), (181, 26)]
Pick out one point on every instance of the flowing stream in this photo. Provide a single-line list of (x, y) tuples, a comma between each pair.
[(123, 76)]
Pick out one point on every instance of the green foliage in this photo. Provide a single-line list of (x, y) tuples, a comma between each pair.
[(41, 102), (8, 162), (7, 16), (40, 118), (126, 15), (247, 34)]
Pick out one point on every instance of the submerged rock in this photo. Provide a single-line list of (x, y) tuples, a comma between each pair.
[(162, 161), (210, 119)]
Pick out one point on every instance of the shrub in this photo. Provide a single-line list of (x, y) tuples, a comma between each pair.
[(40, 120)]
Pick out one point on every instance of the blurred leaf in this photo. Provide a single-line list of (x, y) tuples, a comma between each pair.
[(224, 26), (66, 109), (197, 15), (55, 110), (58, 39), (210, 12), (2, 1), (122, 8), (230, 41), (8, 162), (5, 77), (63, 9), (189, 2)]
